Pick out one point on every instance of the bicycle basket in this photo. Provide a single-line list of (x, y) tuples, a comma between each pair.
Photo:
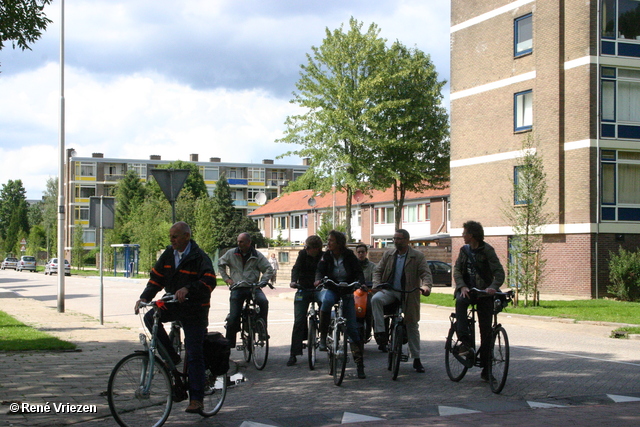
[(216, 353)]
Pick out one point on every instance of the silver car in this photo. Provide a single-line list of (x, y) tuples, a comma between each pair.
[(27, 263), (52, 267), (9, 262)]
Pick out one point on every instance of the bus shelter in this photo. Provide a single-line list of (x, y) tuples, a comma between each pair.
[(126, 259)]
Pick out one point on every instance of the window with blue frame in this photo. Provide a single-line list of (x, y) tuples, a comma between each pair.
[(523, 110), (620, 103), (523, 35), (620, 185)]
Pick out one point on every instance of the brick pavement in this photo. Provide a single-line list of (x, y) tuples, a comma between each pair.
[(297, 397)]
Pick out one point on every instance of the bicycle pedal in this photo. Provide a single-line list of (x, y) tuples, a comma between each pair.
[(240, 347), (404, 358)]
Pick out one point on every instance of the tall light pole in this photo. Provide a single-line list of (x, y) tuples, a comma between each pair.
[(61, 171)]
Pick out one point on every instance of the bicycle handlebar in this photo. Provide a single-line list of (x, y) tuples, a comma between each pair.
[(484, 291), (245, 284)]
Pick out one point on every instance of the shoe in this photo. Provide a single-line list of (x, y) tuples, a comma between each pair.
[(322, 346), (463, 350), (484, 376), (292, 361), (361, 373), (383, 348), (417, 365), (195, 407)]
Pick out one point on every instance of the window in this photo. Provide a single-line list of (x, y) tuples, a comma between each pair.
[(620, 102), (280, 223), (620, 187), (260, 222), (384, 216), (410, 213), (109, 190), (523, 110), (89, 236), (82, 213), (424, 212), (251, 195), (619, 19), (256, 174), (299, 221), (210, 173), (234, 173), (297, 173), (283, 256), (237, 195), (85, 169), (140, 168), (85, 191), (523, 35)]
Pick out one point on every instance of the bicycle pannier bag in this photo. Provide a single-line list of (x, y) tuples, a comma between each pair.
[(216, 353)]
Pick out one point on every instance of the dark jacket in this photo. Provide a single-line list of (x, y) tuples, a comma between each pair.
[(304, 270), (489, 271), (351, 265), (195, 272)]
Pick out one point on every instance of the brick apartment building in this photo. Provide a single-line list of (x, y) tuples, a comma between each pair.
[(566, 72)]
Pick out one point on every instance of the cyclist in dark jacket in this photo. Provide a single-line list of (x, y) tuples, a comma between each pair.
[(186, 271)]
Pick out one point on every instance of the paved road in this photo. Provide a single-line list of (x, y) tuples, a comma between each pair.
[(559, 367)]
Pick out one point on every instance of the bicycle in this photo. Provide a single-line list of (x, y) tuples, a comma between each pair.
[(397, 332), (313, 330), (498, 363), (253, 329), (143, 385), (336, 337)]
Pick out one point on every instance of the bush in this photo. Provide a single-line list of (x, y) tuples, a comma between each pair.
[(624, 273)]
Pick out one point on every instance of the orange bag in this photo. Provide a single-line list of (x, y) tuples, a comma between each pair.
[(360, 299)]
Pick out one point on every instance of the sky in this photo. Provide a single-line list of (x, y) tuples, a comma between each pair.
[(211, 77)]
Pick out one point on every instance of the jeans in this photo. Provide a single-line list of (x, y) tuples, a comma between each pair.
[(194, 334), (301, 302), (348, 311), (236, 300), (386, 297), (484, 309)]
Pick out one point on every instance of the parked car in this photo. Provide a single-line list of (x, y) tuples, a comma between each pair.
[(52, 267), (27, 263), (9, 262), (441, 272)]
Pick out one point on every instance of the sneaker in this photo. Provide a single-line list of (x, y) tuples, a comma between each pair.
[(195, 407), (361, 373), (417, 365), (463, 350), (292, 361)]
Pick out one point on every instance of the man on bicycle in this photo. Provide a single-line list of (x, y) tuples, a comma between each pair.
[(186, 271), (243, 264), (405, 269), (477, 266)]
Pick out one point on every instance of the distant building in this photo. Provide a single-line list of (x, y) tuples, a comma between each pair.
[(97, 176), (568, 73), (297, 215)]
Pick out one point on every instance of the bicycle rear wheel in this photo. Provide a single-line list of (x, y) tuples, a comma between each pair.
[(456, 369), (312, 343), (340, 355), (215, 391), (128, 403), (246, 336), (499, 364), (396, 350), (260, 344)]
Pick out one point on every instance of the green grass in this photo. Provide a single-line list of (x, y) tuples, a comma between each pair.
[(600, 310), (16, 336)]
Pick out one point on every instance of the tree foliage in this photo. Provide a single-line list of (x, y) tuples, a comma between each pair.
[(77, 248), (409, 126), (372, 117), (14, 223), (527, 217), (624, 274), (50, 215), (22, 22), (130, 193)]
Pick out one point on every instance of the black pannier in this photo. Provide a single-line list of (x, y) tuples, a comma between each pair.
[(216, 353)]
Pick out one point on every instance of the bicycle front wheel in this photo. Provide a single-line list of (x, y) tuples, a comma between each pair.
[(340, 355), (260, 344), (129, 403), (499, 364), (455, 368), (396, 350), (215, 391), (246, 335), (312, 343)]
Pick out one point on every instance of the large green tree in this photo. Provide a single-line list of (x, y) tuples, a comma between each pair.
[(22, 22), (130, 193), (335, 91), (13, 214), (50, 215), (409, 126), (223, 216)]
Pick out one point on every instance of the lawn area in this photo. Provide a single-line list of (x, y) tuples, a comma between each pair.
[(16, 336), (603, 310)]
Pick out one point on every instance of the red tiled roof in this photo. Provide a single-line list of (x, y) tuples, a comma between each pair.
[(299, 200)]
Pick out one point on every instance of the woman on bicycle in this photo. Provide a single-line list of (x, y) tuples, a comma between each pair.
[(340, 264), (477, 266), (303, 275)]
